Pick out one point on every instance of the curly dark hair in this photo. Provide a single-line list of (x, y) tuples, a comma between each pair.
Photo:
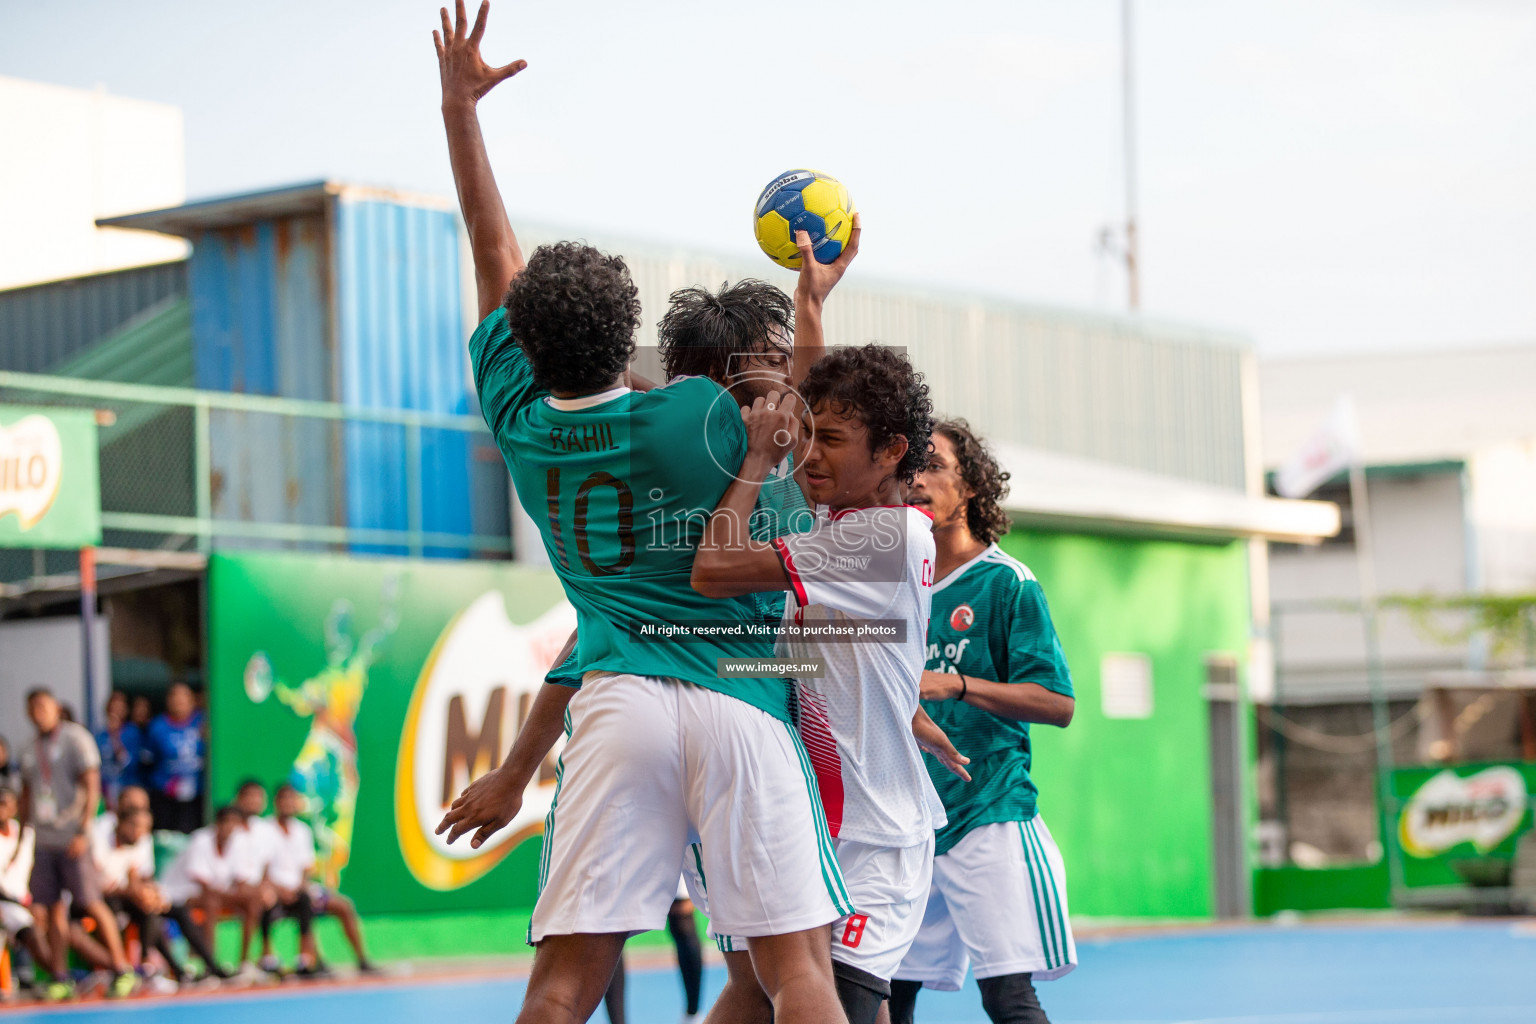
[(877, 384), (983, 477), (574, 311), (703, 330)]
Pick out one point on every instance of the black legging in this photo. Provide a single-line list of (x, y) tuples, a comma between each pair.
[(151, 931), (690, 964), (690, 955), (196, 938), (301, 908), (1009, 999)]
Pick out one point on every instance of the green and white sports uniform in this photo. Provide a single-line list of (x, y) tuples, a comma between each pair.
[(621, 485), (998, 903), (781, 509)]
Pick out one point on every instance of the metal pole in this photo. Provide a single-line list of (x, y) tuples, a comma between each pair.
[(1365, 561), (1128, 76), (88, 631)]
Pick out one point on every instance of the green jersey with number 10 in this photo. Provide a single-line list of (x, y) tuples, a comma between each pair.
[(621, 485), (989, 621)]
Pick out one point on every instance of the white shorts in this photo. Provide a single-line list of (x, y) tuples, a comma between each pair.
[(14, 918), (889, 886), (999, 906), (653, 765)]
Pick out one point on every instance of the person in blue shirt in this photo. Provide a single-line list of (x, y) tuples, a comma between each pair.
[(178, 754), (120, 742)]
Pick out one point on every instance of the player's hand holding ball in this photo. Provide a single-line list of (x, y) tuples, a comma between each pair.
[(805, 220)]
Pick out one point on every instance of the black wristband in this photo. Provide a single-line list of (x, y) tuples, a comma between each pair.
[(963, 686)]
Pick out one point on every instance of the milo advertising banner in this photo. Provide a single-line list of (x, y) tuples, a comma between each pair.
[(380, 688), (50, 488), (1460, 825)]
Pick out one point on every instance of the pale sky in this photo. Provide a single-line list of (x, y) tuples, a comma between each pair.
[(1321, 175)]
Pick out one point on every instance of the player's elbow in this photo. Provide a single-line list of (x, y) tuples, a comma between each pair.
[(707, 579), (1064, 710)]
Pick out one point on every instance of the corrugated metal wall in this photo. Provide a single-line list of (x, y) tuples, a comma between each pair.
[(1153, 396), (260, 325), (401, 346), (45, 325)]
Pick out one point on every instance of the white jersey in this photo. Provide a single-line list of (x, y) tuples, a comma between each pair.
[(17, 845), (869, 568), (104, 837), (201, 864), (293, 853)]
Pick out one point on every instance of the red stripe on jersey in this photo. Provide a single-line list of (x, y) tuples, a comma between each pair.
[(789, 567), (816, 734)]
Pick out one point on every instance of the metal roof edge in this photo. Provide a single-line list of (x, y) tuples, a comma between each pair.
[(309, 197), (1075, 493)]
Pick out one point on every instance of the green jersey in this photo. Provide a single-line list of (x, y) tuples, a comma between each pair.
[(621, 485), (781, 509), (989, 621)]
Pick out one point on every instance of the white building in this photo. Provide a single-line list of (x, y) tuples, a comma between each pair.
[(70, 156), (1450, 442)]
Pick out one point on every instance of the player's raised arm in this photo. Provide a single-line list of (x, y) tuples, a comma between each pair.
[(729, 562), (466, 78), (815, 283)]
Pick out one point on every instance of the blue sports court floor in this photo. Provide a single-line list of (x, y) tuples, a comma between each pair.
[(1408, 973)]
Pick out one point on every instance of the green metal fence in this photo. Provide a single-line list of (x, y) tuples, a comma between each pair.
[(190, 470)]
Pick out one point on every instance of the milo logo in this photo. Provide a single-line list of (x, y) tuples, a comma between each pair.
[(1482, 809)]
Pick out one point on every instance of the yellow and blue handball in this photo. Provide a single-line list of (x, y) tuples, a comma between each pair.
[(803, 200)]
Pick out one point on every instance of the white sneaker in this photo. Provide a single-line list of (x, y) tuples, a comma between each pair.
[(249, 974), (693, 1018), (160, 985)]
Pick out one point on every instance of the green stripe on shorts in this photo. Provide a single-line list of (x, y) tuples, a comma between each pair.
[(1054, 892), (831, 871), (1047, 946)]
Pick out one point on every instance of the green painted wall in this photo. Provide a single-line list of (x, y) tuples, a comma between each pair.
[(1129, 801), (1342, 887)]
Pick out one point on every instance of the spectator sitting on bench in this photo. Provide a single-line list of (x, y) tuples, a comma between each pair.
[(15, 868), (204, 878), (126, 862), (261, 845)]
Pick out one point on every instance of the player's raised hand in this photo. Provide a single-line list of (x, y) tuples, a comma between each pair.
[(485, 806), (466, 76), (934, 740), (774, 423), (817, 279)]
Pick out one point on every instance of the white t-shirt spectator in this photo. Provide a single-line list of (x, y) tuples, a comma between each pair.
[(114, 861), (293, 853), (16, 874), (104, 837), (200, 865), (255, 846)]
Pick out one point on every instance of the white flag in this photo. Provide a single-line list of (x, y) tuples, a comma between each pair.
[(1330, 451)]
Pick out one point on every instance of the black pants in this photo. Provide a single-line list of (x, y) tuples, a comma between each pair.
[(690, 963), (301, 908), (151, 932), (196, 938), (1009, 999)]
